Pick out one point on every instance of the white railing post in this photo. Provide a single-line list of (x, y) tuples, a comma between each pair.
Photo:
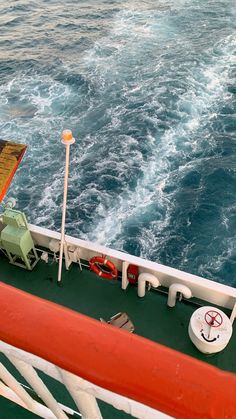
[(67, 140), (124, 281), (13, 384), (86, 403), (38, 408), (233, 313), (31, 376)]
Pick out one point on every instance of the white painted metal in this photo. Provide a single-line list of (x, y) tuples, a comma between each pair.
[(233, 314), (86, 403), (209, 339), (67, 145), (31, 376), (54, 245), (68, 262), (44, 257), (174, 288), (38, 408), (143, 279), (129, 406), (11, 382), (210, 291), (124, 282), (72, 255)]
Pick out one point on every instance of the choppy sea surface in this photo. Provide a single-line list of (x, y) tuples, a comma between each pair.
[(149, 90)]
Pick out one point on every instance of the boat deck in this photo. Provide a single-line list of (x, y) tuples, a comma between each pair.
[(89, 294)]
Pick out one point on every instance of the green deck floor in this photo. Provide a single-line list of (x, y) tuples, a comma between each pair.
[(87, 293)]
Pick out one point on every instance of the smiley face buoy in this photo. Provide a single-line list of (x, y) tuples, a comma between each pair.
[(210, 329)]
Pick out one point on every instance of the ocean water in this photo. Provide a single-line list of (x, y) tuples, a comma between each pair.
[(149, 90)]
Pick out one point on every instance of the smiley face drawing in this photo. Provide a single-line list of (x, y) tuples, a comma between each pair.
[(209, 329)]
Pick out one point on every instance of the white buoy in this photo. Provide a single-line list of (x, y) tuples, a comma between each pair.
[(210, 329)]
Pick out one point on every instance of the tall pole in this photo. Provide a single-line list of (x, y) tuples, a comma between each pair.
[(67, 140)]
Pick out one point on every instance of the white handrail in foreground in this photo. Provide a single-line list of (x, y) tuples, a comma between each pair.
[(83, 392)]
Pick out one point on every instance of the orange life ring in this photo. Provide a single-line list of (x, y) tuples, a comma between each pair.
[(99, 260)]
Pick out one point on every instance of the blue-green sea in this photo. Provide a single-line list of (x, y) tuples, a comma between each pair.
[(149, 90)]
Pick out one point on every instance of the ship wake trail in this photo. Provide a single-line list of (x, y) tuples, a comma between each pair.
[(138, 216)]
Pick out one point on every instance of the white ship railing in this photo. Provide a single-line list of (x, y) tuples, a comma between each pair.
[(83, 392), (97, 361), (204, 289)]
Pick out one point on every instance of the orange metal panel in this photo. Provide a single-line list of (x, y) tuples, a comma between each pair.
[(124, 363), (10, 158)]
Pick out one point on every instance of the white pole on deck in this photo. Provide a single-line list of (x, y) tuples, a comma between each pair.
[(67, 140)]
